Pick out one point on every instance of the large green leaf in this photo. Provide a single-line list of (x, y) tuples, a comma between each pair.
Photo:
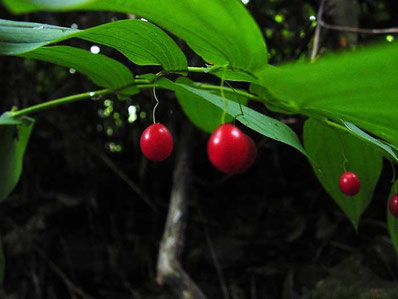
[(220, 31), (261, 123), (202, 113), (359, 87), (387, 149), (141, 42), (391, 220), (103, 70), (13, 141), (333, 152)]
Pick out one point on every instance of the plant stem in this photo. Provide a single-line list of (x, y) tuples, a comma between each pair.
[(60, 101), (195, 69), (230, 90), (87, 95)]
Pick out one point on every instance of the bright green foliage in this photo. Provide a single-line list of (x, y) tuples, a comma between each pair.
[(13, 141), (333, 152), (141, 42), (261, 123), (203, 114), (360, 87), (392, 221), (387, 149), (222, 32), (19, 37), (102, 70)]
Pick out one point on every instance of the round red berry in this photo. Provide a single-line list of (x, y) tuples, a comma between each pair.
[(156, 142), (394, 205), (349, 183), (230, 150), (251, 155)]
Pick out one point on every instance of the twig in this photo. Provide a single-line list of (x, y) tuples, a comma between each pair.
[(315, 47), (215, 261), (64, 277), (122, 175), (358, 30), (169, 270)]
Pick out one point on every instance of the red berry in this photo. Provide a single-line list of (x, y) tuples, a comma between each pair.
[(156, 142), (349, 183), (230, 150), (394, 205), (252, 155)]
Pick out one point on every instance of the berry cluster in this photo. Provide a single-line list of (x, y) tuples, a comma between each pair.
[(229, 149)]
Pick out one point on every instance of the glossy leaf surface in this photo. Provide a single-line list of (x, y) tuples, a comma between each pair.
[(13, 141), (222, 32), (261, 123), (333, 152), (141, 42), (102, 70)]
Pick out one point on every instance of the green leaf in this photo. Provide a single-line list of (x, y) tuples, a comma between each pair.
[(386, 149), (222, 32), (359, 87), (141, 42), (392, 221), (202, 113), (333, 152), (103, 70), (13, 141), (261, 123), (19, 37)]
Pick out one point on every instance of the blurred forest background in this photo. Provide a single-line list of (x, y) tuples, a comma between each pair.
[(87, 216)]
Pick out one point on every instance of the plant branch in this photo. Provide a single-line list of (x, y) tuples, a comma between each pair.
[(58, 102), (169, 269), (358, 30), (315, 47), (91, 94)]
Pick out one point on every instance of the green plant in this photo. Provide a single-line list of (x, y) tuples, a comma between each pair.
[(351, 111)]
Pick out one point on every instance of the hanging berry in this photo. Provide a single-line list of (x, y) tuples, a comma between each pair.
[(156, 142), (349, 183), (230, 150), (393, 206)]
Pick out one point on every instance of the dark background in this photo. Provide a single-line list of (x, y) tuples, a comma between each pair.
[(79, 225)]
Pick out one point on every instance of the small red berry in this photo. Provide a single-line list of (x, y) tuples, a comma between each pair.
[(349, 183), (230, 150), (394, 205), (251, 155), (156, 142)]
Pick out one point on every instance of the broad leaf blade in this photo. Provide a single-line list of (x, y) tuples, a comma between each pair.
[(13, 141), (103, 70), (220, 31), (203, 114), (329, 148), (141, 42), (359, 87), (261, 123), (392, 221), (386, 149), (20, 37)]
